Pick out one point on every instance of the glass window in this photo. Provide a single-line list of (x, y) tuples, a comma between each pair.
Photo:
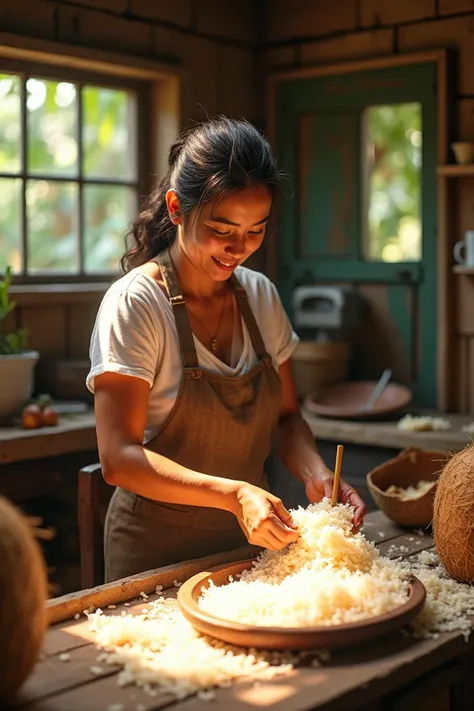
[(392, 183), (68, 175)]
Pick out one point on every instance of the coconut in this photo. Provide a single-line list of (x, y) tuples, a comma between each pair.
[(453, 516), (23, 582)]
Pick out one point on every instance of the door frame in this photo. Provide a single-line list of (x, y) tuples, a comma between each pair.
[(444, 61)]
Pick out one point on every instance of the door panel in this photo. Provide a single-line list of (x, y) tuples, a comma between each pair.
[(320, 143)]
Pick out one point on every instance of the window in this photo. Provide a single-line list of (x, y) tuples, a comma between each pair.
[(69, 174), (393, 162)]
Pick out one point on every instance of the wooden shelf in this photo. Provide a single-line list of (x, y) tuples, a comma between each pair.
[(456, 171), (463, 270)]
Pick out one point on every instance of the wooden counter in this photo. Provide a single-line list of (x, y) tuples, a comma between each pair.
[(395, 673), (387, 434), (73, 433)]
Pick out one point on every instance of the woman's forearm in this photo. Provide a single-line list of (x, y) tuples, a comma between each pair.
[(297, 449), (156, 477)]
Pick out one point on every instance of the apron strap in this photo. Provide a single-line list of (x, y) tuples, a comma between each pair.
[(178, 304), (249, 318)]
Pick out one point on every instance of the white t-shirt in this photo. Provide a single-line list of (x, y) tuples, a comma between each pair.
[(135, 334)]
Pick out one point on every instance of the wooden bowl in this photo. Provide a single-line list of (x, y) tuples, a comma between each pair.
[(328, 637), (407, 469), (347, 400)]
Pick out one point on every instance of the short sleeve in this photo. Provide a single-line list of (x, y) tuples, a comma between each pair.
[(124, 339), (283, 339)]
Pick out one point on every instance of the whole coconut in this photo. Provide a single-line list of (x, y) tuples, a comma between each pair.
[(23, 585), (453, 516)]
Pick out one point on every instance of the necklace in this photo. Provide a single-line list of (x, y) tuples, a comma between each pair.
[(211, 336)]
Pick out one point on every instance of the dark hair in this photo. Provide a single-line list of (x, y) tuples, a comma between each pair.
[(206, 162)]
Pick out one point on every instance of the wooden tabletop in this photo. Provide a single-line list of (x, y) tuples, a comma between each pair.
[(73, 433), (349, 680), (387, 434), (76, 433)]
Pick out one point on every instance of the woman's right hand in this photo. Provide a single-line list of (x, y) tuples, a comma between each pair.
[(263, 518)]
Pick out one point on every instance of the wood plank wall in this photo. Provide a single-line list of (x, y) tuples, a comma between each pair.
[(213, 41), (316, 32)]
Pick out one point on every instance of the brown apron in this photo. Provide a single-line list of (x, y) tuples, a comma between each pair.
[(220, 425)]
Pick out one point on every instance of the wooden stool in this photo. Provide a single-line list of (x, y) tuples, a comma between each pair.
[(93, 496)]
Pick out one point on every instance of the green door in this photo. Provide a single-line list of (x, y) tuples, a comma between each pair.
[(360, 151)]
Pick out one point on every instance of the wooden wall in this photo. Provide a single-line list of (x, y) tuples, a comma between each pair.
[(316, 32), (213, 41)]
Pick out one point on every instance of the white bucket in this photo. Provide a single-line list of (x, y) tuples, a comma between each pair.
[(16, 381)]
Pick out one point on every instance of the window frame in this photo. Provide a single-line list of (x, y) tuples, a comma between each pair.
[(158, 97)]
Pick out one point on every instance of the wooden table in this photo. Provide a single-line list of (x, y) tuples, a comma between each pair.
[(73, 433), (386, 434), (394, 674)]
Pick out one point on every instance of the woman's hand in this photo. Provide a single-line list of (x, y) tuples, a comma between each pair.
[(320, 485), (263, 518)]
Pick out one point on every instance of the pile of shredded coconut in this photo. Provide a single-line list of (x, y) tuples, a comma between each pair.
[(411, 492), (329, 575), (421, 423)]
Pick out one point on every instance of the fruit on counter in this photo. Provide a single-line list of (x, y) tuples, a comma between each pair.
[(39, 413), (31, 417), (49, 416)]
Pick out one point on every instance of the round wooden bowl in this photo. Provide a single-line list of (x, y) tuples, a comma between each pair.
[(328, 637), (407, 469), (347, 401)]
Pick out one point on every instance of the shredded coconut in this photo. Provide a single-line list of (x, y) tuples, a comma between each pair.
[(411, 492), (329, 575), (419, 423)]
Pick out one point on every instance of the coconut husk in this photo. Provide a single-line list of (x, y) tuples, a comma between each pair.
[(407, 469), (453, 516), (23, 582)]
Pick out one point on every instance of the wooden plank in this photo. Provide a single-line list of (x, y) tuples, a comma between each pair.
[(391, 12), (74, 433), (386, 434), (100, 695), (80, 324), (62, 608), (348, 47), (46, 329), (52, 675)]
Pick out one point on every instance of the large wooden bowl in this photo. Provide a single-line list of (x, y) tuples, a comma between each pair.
[(407, 469), (347, 400), (329, 637)]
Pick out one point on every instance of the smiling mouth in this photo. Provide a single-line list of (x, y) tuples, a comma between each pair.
[(225, 265)]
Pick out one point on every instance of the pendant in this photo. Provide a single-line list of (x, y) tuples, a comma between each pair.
[(214, 345)]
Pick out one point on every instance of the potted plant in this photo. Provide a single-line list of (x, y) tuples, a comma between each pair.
[(16, 362)]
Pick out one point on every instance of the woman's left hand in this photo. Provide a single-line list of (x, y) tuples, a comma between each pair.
[(320, 486)]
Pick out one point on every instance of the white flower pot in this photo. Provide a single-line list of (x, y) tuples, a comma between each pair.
[(16, 381)]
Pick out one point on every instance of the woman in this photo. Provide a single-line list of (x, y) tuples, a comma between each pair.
[(190, 366)]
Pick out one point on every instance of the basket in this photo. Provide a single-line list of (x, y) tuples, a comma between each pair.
[(407, 469)]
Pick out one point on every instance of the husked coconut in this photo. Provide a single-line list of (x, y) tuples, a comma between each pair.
[(453, 519), (23, 586)]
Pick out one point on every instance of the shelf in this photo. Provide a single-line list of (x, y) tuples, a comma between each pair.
[(463, 270), (456, 171)]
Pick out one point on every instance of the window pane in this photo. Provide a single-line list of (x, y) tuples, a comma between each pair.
[(10, 123), (108, 133), (108, 211), (10, 224), (52, 226), (393, 183), (51, 115)]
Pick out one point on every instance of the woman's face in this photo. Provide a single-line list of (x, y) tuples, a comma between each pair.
[(223, 234)]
